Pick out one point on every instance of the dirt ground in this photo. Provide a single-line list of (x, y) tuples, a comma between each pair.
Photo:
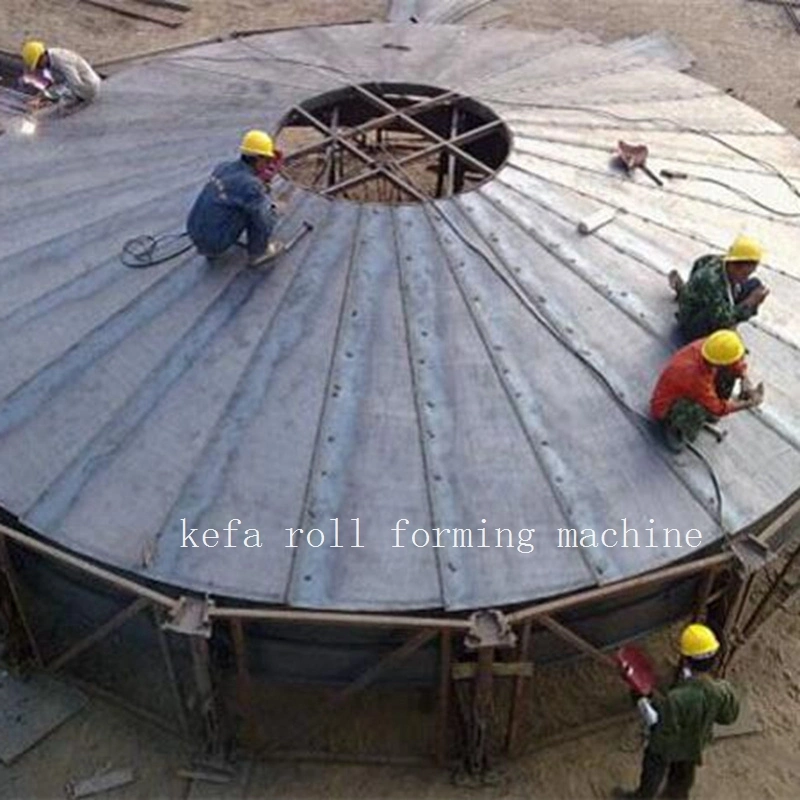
[(748, 47)]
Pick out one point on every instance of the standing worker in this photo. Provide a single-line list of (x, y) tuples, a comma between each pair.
[(697, 384), (65, 75), (721, 291), (680, 723), (237, 199)]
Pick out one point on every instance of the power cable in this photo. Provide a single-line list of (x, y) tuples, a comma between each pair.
[(642, 421), (146, 251), (680, 128)]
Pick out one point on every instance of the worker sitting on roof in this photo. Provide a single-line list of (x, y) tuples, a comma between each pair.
[(60, 74), (236, 199), (680, 723), (721, 291), (697, 384)]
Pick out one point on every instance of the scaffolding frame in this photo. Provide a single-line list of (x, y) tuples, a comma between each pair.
[(720, 579)]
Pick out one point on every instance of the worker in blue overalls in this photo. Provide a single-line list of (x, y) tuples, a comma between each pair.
[(236, 200)]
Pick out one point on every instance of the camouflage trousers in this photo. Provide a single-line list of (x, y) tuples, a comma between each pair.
[(685, 420)]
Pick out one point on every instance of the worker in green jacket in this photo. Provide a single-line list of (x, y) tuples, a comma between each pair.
[(721, 291), (680, 723)]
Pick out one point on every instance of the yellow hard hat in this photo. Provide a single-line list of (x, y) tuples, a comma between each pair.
[(744, 248), (723, 348), (257, 143), (698, 641), (32, 51)]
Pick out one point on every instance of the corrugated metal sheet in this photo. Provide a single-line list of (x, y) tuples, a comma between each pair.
[(401, 363)]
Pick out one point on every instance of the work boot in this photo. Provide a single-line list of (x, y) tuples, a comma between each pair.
[(274, 249), (675, 282), (674, 439)]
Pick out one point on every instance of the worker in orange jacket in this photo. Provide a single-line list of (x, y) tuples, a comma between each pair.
[(696, 386)]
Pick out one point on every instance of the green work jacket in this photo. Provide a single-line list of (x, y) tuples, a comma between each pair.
[(707, 303), (687, 714)]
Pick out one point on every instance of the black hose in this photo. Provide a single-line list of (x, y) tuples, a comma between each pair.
[(146, 251)]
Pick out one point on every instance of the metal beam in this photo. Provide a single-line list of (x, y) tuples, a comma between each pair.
[(423, 129), (361, 155), (443, 708), (169, 665), (84, 566), (520, 682), (467, 136), (8, 570), (310, 725), (581, 644), (376, 122), (98, 635)]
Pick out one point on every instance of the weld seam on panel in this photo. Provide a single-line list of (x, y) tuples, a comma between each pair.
[(184, 63), (604, 150), (607, 236), (27, 398), (302, 571), (649, 220), (674, 98), (566, 339), (675, 192), (62, 239), (327, 71), (55, 501), (642, 124), (545, 47), (543, 80), (519, 393), (435, 424), (201, 487), (579, 266)]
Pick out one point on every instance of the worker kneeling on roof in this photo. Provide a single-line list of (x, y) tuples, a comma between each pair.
[(721, 291), (680, 723), (60, 74), (236, 199), (697, 385)]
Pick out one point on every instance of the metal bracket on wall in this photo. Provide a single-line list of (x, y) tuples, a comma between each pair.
[(489, 628), (191, 617)]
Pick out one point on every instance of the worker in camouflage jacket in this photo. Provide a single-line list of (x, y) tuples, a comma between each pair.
[(680, 723), (721, 291)]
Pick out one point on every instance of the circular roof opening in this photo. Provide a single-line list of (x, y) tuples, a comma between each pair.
[(392, 143)]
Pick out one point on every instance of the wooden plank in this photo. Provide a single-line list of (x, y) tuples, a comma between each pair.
[(119, 7), (173, 4), (100, 783), (500, 669), (746, 723), (523, 653), (443, 710)]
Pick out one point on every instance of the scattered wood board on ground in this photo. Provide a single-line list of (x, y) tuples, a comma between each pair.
[(129, 8), (173, 4), (31, 709), (102, 782), (746, 724)]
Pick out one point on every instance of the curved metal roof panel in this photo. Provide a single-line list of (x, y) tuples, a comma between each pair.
[(436, 363)]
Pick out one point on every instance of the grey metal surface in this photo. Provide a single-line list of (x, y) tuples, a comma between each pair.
[(32, 708), (437, 364)]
